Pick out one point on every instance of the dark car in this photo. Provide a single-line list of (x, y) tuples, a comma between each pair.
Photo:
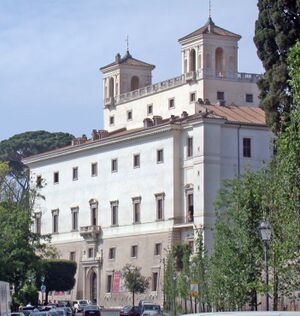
[(130, 310), (91, 310)]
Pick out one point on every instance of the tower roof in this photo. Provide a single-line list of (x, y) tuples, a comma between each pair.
[(128, 60), (210, 28)]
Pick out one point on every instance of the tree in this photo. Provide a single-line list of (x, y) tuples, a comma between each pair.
[(59, 275), (276, 30), (236, 262), (134, 281)]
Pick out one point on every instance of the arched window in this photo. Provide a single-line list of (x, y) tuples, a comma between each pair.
[(111, 87), (93, 290), (134, 83), (219, 61), (192, 60)]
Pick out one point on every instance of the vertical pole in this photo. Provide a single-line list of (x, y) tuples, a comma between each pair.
[(267, 274)]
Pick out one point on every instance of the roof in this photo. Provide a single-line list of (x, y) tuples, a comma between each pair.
[(128, 60), (210, 28), (237, 114)]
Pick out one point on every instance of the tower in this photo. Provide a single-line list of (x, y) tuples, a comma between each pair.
[(211, 51), (125, 74)]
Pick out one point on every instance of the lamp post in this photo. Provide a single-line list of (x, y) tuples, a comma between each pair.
[(265, 232)]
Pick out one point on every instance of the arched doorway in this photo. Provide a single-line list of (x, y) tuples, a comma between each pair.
[(192, 60), (219, 61), (134, 83), (93, 287)]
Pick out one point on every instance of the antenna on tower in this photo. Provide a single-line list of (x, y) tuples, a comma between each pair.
[(127, 43), (209, 9)]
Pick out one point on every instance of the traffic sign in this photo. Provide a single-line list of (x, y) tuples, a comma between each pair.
[(43, 288)]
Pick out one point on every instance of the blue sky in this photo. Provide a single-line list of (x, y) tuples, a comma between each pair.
[(51, 52)]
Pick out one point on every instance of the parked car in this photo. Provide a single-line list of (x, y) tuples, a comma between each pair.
[(16, 314), (79, 304), (40, 313), (64, 311), (91, 310), (130, 310), (151, 310)]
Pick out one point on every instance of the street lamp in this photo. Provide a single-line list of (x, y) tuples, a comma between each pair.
[(265, 232)]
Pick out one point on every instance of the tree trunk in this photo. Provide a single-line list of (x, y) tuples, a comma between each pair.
[(275, 291), (46, 297), (132, 298), (185, 305)]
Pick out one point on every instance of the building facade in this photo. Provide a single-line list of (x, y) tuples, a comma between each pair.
[(144, 182)]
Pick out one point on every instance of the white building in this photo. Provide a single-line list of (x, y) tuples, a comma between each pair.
[(140, 185)]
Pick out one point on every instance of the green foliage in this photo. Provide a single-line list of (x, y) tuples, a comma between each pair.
[(168, 286), (276, 30), (236, 261), (28, 294), (134, 280)]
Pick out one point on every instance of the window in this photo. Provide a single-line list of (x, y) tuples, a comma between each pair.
[(114, 212), (72, 256), (134, 250), (157, 249), (39, 182), (74, 212), (160, 206), (56, 177), (160, 156), (75, 173), (37, 223), (136, 161), (247, 147), (93, 215), (193, 97), (112, 253), (171, 103), (94, 169), (111, 120), (189, 147), (55, 221), (136, 203), (249, 98), (190, 206), (114, 165), (129, 115), (90, 253), (109, 284), (220, 95), (149, 109), (154, 281)]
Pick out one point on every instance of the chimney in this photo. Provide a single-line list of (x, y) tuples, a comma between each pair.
[(147, 122), (184, 114), (206, 101), (95, 134), (157, 119), (102, 133)]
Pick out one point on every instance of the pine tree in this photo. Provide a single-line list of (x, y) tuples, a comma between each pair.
[(276, 30)]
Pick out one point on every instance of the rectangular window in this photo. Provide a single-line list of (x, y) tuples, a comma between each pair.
[(136, 203), (55, 221), (109, 284), (190, 147), (114, 165), (94, 221), (112, 253), (190, 206), (171, 103), (193, 97), (136, 161), (160, 156), (247, 147), (220, 95), (134, 250), (56, 177), (90, 253), (249, 98), (39, 182), (72, 256), (74, 212), (94, 169), (154, 281), (160, 206), (114, 213), (129, 115), (75, 173), (149, 109), (157, 249), (111, 120)]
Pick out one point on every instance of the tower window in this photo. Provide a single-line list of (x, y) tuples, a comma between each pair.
[(247, 147), (149, 109), (114, 165), (75, 173), (112, 120), (136, 161), (134, 250), (193, 97), (129, 115), (94, 169), (249, 98), (220, 95), (160, 156), (189, 147), (171, 103), (56, 177)]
